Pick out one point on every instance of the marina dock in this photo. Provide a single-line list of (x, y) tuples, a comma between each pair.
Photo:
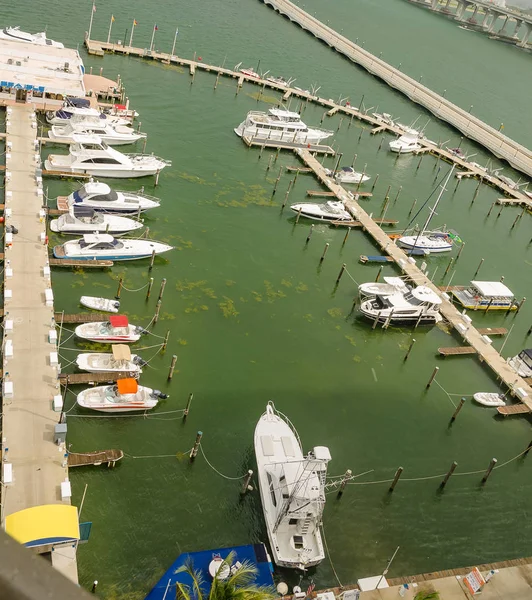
[(96, 458), (480, 343), (34, 472), (94, 378)]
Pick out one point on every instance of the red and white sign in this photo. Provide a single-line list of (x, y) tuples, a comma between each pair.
[(474, 581)]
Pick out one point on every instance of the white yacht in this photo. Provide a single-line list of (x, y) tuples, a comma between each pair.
[(102, 198), (81, 219), (430, 242), (348, 175), (390, 286), (117, 361), (330, 211), (102, 246), (292, 490), (14, 34), (111, 134), (124, 396), (89, 155), (117, 330), (408, 142), (522, 363), (249, 72), (419, 306), (80, 108), (280, 81), (279, 124)]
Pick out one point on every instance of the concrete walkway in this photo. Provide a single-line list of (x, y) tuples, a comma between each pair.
[(32, 463)]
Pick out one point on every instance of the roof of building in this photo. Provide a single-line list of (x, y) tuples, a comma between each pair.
[(41, 68)]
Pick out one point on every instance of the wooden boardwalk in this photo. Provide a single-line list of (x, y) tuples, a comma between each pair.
[(493, 331), (329, 194), (514, 409), (96, 458), (470, 335), (94, 378), (92, 317), (457, 351), (67, 263)]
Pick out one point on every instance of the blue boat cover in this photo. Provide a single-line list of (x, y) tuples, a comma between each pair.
[(78, 102), (253, 553)]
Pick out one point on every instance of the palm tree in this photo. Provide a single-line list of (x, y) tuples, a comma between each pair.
[(238, 586)]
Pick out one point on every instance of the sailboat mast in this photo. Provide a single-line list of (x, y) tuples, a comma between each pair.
[(433, 209)]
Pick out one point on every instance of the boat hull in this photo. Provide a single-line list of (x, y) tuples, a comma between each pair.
[(131, 173)]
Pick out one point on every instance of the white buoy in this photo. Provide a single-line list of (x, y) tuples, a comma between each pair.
[(282, 588)]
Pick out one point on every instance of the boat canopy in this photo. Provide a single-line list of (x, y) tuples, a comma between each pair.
[(127, 386), (121, 352), (347, 169), (526, 356), (425, 294), (492, 289), (78, 102), (118, 321)]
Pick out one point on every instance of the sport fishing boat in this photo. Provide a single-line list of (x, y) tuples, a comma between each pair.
[(489, 399), (330, 211), (102, 246), (102, 198), (406, 143), (119, 360), (81, 219), (390, 286), (419, 306), (522, 363), (124, 396), (430, 242), (485, 295), (14, 34), (100, 304), (117, 330), (279, 124), (89, 155), (111, 134), (348, 175), (292, 491), (80, 108)]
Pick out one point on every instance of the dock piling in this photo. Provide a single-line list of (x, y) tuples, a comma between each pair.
[(298, 215), (152, 260), (309, 234), (410, 348), (379, 273), (194, 451), (157, 310), (398, 192), (432, 377), (449, 266), (374, 182), (161, 291), (449, 473), (119, 290), (493, 462), (172, 367), (419, 163), (458, 409), (492, 205), (478, 268), (345, 479), (398, 474), (500, 211), (157, 177), (95, 582), (346, 236), (246, 487), (376, 320), (150, 285), (412, 207), (324, 252), (165, 343), (187, 407), (460, 251), (520, 304), (269, 163), (515, 222), (340, 274)]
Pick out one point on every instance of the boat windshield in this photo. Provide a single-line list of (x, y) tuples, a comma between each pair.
[(413, 300), (80, 195), (526, 357), (112, 196)]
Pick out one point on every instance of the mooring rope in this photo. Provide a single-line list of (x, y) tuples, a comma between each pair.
[(329, 556), (137, 289), (216, 470)]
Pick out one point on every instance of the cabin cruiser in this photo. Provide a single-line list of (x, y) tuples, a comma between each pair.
[(390, 286), (117, 361), (348, 175), (14, 34), (81, 219), (408, 142), (111, 134), (102, 198), (522, 363), (279, 124), (292, 491), (102, 246), (419, 306), (117, 330), (124, 396), (485, 295), (330, 211), (80, 108), (89, 155)]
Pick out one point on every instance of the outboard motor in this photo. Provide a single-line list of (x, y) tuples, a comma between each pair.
[(116, 304), (139, 361), (159, 394), (139, 329)]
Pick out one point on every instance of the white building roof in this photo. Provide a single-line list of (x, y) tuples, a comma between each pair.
[(41, 68), (492, 289)]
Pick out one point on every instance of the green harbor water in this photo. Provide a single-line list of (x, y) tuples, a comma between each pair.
[(254, 317)]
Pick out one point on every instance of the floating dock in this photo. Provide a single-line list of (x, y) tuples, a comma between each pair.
[(92, 317), (66, 263), (96, 458), (514, 409), (457, 350), (287, 145), (94, 378)]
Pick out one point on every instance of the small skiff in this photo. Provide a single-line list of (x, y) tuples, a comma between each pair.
[(117, 330), (489, 399), (120, 359), (101, 304), (125, 396)]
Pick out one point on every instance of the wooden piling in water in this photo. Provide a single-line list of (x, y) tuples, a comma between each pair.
[(157, 309), (493, 462), (346, 236), (324, 252), (412, 207), (432, 377), (165, 343), (152, 260), (378, 276), (298, 214), (309, 234), (410, 348), (398, 192), (458, 409), (246, 487), (150, 285), (187, 407), (119, 290), (449, 473), (449, 266), (374, 182), (172, 367), (492, 205), (269, 163), (194, 450), (460, 251), (340, 274), (478, 268), (398, 474), (161, 291), (345, 479)]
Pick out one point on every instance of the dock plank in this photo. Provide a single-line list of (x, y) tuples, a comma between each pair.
[(96, 458), (457, 350), (79, 318), (514, 409)]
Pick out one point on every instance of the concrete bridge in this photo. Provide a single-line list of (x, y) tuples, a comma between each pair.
[(488, 13)]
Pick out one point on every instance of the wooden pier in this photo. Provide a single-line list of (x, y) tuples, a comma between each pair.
[(487, 354), (457, 350), (81, 318), (65, 174), (95, 378), (329, 194), (80, 264), (514, 409), (287, 145), (381, 222), (493, 331), (96, 458)]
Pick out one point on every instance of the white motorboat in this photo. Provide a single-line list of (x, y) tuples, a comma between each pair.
[(89, 155), (14, 34), (280, 81), (124, 396), (330, 211), (120, 360), (419, 306), (117, 330), (102, 198), (390, 286), (522, 363), (408, 142), (292, 490), (249, 72), (80, 108), (102, 246), (100, 304), (430, 242), (385, 118), (279, 124), (81, 219), (111, 134), (489, 399), (348, 175), (486, 295)]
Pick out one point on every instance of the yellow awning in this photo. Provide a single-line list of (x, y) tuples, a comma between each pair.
[(46, 524)]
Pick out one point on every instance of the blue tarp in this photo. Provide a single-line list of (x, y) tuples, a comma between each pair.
[(253, 553)]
